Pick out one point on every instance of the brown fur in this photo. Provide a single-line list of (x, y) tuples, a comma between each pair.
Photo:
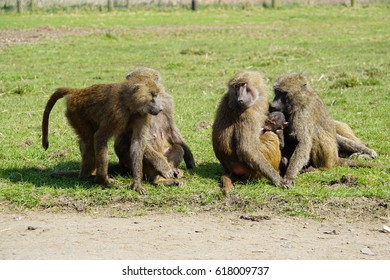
[(311, 129), (237, 137), (102, 111), (350, 145), (276, 122), (165, 147)]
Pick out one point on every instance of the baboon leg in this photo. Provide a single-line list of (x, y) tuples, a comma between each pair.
[(101, 154), (227, 184), (352, 147), (87, 159), (122, 150)]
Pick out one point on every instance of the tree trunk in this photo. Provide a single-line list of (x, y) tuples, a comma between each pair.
[(110, 5), (19, 6), (275, 4)]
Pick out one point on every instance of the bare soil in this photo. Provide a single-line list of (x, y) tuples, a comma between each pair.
[(207, 235)]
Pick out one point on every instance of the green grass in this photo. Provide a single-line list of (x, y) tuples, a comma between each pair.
[(345, 53)]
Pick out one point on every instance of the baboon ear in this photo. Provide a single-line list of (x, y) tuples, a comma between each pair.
[(284, 124)]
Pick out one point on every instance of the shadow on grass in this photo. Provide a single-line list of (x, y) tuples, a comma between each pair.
[(42, 176)]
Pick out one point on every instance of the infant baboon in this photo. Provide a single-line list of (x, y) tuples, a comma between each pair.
[(276, 122), (311, 130), (165, 147), (236, 134), (101, 111)]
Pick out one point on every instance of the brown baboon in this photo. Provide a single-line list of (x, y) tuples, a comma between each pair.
[(276, 122), (237, 137), (349, 144), (101, 111), (311, 130), (165, 147)]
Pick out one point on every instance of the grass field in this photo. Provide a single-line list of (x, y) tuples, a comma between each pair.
[(345, 52)]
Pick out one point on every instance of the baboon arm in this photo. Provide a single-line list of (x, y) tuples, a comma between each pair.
[(299, 158), (157, 161), (256, 161), (136, 155)]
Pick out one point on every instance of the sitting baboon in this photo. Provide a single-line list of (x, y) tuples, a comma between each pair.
[(349, 144), (237, 137), (101, 111), (311, 130), (165, 147)]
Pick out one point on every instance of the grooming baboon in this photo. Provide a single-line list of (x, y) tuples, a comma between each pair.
[(166, 147), (349, 144), (101, 111), (237, 137), (311, 130)]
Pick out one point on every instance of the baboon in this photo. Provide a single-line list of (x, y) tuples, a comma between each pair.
[(350, 145), (311, 130), (101, 111), (276, 122), (165, 147), (237, 137)]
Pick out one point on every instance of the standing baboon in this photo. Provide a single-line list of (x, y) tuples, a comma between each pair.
[(237, 137), (311, 130), (101, 111), (165, 147)]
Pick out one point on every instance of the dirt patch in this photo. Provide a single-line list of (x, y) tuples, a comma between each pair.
[(206, 235), (34, 35)]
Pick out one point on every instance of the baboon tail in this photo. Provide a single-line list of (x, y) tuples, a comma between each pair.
[(58, 94), (352, 163), (188, 157)]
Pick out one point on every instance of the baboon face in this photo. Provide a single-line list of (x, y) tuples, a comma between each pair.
[(276, 120), (289, 89), (154, 104), (242, 92), (145, 97)]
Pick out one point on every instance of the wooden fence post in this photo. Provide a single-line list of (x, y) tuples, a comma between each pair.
[(275, 4), (353, 3), (194, 5), (19, 6), (33, 5), (110, 5), (128, 4)]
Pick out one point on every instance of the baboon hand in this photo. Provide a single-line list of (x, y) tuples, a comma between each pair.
[(177, 173), (138, 188), (286, 183)]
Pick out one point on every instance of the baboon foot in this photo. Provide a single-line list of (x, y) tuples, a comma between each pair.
[(104, 181), (287, 183), (371, 155), (227, 184), (168, 182), (137, 187)]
